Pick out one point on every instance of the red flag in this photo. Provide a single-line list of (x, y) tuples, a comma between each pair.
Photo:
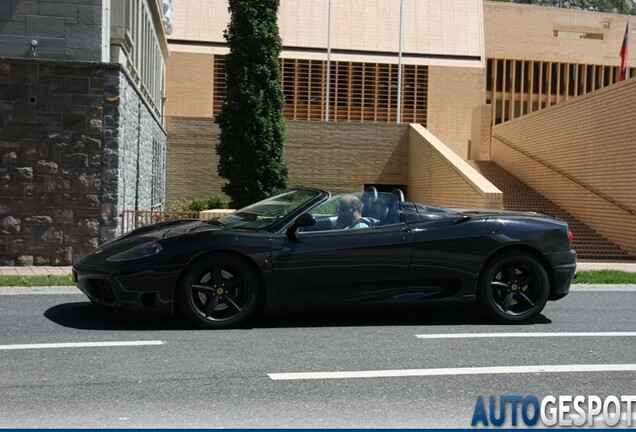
[(623, 54)]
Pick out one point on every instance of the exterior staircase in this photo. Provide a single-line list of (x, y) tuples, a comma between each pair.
[(518, 196)]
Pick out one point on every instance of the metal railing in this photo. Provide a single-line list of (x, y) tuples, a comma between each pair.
[(132, 219)]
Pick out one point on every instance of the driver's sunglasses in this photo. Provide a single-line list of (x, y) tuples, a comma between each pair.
[(344, 207)]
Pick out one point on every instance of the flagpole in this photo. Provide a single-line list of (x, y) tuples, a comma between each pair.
[(328, 85), (627, 67)]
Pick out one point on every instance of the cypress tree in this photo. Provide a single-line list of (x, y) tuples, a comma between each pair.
[(251, 120)]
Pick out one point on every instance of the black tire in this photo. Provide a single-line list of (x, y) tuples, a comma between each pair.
[(218, 291), (513, 288)]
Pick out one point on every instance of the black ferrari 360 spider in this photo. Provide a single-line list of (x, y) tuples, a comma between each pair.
[(300, 249)]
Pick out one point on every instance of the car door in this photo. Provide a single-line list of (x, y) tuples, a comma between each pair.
[(446, 258), (341, 265)]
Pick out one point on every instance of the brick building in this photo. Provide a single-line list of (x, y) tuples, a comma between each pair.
[(81, 123), (428, 96)]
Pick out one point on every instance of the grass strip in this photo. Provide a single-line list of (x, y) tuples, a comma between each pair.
[(605, 277), (32, 281)]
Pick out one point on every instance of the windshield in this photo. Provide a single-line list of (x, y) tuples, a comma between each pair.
[(266, 213)]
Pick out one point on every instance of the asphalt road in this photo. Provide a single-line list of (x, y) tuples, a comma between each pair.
[(172, 376)]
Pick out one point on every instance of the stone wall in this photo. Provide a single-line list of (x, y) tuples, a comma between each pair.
[(139, 133), (63, 29), (64, 151), (133, 175)]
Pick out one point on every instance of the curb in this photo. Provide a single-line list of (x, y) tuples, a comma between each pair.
[(18, 290)]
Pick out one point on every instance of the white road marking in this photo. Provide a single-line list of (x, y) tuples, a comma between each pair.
[(79, 345), (523, 335), (454, 371)]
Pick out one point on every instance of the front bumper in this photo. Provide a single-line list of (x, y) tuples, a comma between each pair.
[(143, 290)]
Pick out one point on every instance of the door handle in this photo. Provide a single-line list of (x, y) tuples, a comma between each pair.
[(405, 231)]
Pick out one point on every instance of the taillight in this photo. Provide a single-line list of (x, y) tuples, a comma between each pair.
[(570, 237)]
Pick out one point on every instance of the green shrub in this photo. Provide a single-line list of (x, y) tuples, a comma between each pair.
[(196, 205)]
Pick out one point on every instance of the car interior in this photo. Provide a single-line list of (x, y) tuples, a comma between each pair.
[(379, 208)]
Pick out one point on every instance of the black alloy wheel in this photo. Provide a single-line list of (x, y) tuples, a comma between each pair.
[(514, 288), (218, 291)]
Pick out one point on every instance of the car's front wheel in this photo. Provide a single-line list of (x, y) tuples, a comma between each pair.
[(218, 291), (514, 288)]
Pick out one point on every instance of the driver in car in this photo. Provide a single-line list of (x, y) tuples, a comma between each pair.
[(350, 214)]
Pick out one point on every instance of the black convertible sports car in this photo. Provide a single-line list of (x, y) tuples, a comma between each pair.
[(299, 248)]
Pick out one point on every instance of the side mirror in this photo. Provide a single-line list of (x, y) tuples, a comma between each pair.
[(304, 220)]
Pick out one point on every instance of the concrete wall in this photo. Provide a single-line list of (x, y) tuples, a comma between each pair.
[(191, 165), (514, 31), (190, 88), (336, 156), (453, 93), (438, 176), (580, 154), (480, 133), (435, 31), (447, 36), (67, 29), (346, 156)]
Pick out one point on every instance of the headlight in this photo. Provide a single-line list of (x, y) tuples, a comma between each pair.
[(141, 251)]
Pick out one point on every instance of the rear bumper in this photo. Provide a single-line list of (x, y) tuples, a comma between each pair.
[(563, 270)]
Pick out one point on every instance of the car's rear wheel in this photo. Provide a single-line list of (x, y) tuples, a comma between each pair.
[(218, 291), (513, 288)]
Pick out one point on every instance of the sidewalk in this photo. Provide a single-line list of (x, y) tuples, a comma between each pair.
[(66, 270), (35, 271), (600, 265)]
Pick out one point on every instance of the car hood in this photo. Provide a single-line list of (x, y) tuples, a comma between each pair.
[(173, 228), (149, 233)]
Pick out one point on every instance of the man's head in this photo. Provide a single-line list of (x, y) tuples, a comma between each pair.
[(350, 209)]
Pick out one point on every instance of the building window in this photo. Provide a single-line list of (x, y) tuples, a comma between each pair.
[(518, 87), (359, 92), (146, 64), (158, 175), (573, 34), (219, 89)]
